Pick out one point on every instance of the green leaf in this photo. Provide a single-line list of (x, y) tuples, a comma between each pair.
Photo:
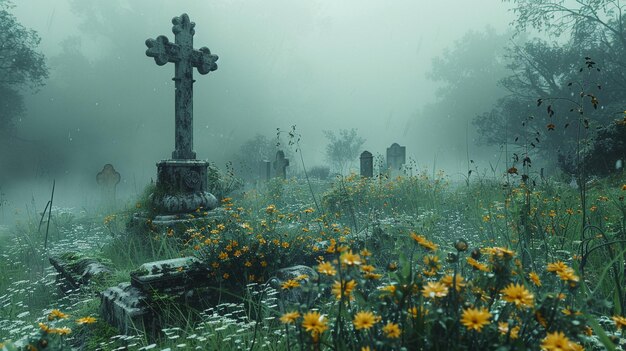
[(604, 339)]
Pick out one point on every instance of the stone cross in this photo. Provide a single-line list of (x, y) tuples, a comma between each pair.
[(108, 179), (185, 58), (280, 165), (367, 164)]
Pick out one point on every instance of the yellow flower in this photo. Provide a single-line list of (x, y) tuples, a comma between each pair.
[(434, 289), (347, 289), (624, 187), (432, 261), (518, 295), (620, 322), (44, 327), (392, 330), (372, 276), (290, 317), (477, 265), (499, 252), (86, 320), (326, 268), (423, 242), (364, 320), (368, 268), (557, 341), (417, 312), (350, 259), (314, 323), (503, 328), (447, 281), (534, 278), (223, 255), (389, 288), (568, 275), (474, 318), (54, 314), (270, 209), (290, 284), (556, 266), (60, 331)]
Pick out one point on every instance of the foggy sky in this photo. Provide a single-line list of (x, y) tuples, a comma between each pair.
[(321, 65)]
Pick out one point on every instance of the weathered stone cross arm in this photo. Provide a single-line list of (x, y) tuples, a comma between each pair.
[(164, 51)]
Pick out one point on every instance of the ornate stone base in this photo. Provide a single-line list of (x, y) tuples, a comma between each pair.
[(184, 202), (181, 187)]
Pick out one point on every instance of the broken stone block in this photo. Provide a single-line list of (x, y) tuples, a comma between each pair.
[(170, 276), (126, 307), (76, 270)]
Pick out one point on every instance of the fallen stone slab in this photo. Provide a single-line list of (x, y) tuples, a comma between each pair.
[(76, 270)]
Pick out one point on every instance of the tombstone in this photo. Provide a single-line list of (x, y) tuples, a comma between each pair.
[(265, 170), (182, 180), (396, 157), (280, 164), (107, 179), (367, 164)]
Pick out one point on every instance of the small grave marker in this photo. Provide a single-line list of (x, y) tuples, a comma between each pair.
[(396, 157), (107, 179), (280, 165), (265, 170), (367, 164)]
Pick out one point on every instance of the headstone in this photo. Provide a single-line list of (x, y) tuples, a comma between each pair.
[(182, 180), (265, 170), (107, 179), (396, 157), (280, 164), (367, 164)]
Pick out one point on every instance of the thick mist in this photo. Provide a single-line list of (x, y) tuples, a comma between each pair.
[(319, 65)]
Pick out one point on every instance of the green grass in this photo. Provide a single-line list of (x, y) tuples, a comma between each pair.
[(279, 225)]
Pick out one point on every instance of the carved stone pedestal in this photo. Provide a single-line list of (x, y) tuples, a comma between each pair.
[(181, 187)]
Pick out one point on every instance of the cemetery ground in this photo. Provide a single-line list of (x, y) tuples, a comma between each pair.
[(412, 262)]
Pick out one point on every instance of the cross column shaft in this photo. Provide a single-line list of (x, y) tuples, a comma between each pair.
[(183, 104)]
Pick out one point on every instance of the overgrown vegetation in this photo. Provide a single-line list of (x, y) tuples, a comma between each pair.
[(411, 262)]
